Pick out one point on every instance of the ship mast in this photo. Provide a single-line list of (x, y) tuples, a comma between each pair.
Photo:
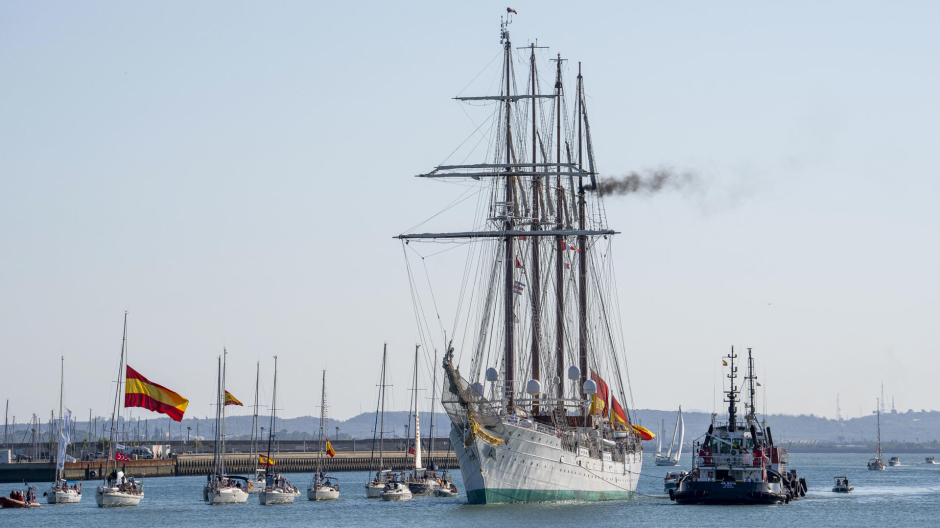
[(582, 248), (535, 288), (254, 418), (751, 378), (508, 261), (559, 248), (732, 393)]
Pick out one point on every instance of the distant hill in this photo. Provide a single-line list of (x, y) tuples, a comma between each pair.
[(907, 427)]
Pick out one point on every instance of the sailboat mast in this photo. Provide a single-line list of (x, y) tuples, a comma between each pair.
[(254, 418), (117, 405), (322, 417), (508, 260), (433, 394), (222, 397), (878, 409), (414, 402), (59, 436), (582, 247), (273, 413), (535, 287), (218, 403), (559, 249), (382, 414)]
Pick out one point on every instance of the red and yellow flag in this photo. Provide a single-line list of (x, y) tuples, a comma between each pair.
[(329, 449), (645, 434), (599, 400), (141, 392), (265, 461), (617, 416), (232, 400)]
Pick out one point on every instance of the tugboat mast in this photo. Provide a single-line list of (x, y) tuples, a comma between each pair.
[(732, 393), (751, 378)]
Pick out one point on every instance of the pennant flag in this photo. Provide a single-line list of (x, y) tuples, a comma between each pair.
[(121, 457), (329, 449), (574, 248), (758, 384), (518, 264), (617, 415), (567, 265), (265, 461), (724, 363), (519, 287), (599, 400), (141, 392), (232, 400)]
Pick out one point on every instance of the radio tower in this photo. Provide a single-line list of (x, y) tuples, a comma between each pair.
[(838, 409), (882, 404)]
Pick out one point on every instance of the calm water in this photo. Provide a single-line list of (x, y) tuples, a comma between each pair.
[(908, 495)]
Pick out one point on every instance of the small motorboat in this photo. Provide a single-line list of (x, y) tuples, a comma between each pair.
[(446, 487), (396, 491), (931, 460), (842, 485), (20, 499), (894, 461), (671, 480)]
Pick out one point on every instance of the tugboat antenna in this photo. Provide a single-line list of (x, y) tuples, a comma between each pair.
[(732, 394)]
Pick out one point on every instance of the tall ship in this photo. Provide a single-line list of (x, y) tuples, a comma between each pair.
[(542, 413), (738, 462)]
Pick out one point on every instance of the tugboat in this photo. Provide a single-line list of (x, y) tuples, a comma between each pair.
[(738, 463)]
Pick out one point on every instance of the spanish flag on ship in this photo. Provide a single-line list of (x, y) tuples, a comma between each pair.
[(329, 449), (265, 461), (232, 400), (141, 392)]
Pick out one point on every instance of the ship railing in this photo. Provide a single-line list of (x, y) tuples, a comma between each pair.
[(746, 460)]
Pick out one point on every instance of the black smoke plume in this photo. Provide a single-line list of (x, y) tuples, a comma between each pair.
[(647, 183)]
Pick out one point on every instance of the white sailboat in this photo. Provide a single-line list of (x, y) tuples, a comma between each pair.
[(672, 457), (552, 423), (423, 481), (323, 487), (877, 464), (376, 485), (277, 489), (118, 490), (63, 491), (221, 489)]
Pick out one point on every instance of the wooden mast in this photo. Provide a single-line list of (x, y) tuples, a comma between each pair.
[(535, 287), (559, 250), (508, 259), (582, 249)]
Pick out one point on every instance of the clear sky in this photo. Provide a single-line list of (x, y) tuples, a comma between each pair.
[(231, 173)]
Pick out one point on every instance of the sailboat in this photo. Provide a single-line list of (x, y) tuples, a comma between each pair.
[(323, 487), (220, 488), (277, 489), (543, 324), (423, 481), (877, 464), (256, 482), (118, 490), (375, 486), (63, 491), (672, 459)]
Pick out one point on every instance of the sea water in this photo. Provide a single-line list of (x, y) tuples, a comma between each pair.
[(908, 495)]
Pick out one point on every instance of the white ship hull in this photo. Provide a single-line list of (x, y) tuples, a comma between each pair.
[(54, 496), (225, 496), (322, 494), (531, 466), (272, 498), (374, 491), (114, 498)]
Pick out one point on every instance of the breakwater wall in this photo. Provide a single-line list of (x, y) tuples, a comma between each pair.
[(201, 464)]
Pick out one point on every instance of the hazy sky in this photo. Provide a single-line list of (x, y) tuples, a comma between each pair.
[(231, 173)]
